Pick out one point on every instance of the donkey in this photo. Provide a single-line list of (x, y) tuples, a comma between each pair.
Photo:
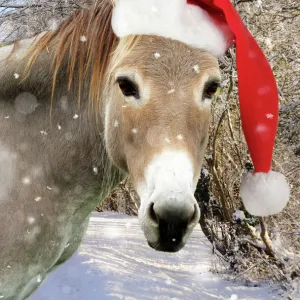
[(80, 109)]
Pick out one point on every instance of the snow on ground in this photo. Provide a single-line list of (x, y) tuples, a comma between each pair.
[(115, 262)]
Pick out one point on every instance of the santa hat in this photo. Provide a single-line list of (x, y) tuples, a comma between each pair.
[(214, 26)]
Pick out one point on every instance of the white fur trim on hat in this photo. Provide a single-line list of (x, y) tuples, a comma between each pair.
[(171, 19), (264, 194)]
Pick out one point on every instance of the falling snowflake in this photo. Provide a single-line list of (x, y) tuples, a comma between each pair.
[(205, 172), (9, 267), (258, 3), (7, 117), (26, 181), (30, 220), (83, 39), (172, 91), (167, 140), (95, 170), (269, 43), (239, 215), (196, 69), (173, 240), (16, 75), (49, 188), (67, 245), (43, 132), (59, 127), (75, 117), (157, 55), (270, 116), (37, 199), (116, 124), (134, 130), (39, 278), (26, 103), (179, 137)]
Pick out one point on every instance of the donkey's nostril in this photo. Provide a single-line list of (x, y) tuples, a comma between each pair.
[(152, 213)]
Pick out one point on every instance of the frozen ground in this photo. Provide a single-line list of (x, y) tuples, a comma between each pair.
[(114, 262)]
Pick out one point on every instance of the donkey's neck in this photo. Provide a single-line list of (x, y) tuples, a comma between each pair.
[(60, 154)]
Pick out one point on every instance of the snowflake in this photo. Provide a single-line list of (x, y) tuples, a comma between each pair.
[(39, 278), (26, 181), (7, 117), (172, 91), (75, 117), (205, 172), (179, 137), (9, 267), (43, 132), (270, 116), (258, 3), (49, 188), (239, 215), (16, 75), (67, 245), (37, 199), (134, 130), (30, 220), (116, 124), (196, 69), (59, 127), (83, 39), (167, 140), (269, 43), (157, 55), (95, 170)]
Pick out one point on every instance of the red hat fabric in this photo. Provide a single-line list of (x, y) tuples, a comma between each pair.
[(215, 25)]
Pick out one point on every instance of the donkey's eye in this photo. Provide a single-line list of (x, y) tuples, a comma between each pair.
[(128, 88), (211, 89)]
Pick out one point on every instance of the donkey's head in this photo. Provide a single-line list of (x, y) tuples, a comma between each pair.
[(156, 127)]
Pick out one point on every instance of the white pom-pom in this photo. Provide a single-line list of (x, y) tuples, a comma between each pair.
[(264, 194)]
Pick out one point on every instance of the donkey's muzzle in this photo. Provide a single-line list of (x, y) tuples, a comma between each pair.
[(173, 221)]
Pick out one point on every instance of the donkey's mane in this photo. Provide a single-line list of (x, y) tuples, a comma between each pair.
[(86, 41)]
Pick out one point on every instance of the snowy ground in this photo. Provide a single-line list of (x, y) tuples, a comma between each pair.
[(114, 262)]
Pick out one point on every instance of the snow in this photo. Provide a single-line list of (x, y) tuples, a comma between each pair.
[(157, 55), (83, 39), (239, 215), (125, 267), (196, 69), (172, 91), (26, 103)]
